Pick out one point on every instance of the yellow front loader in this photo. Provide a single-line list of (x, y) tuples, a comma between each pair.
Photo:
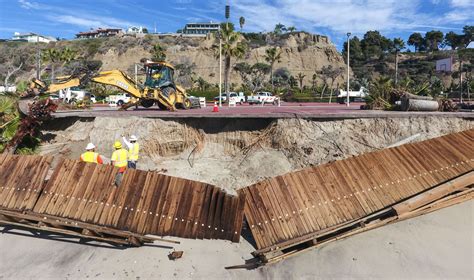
[(159, 87)]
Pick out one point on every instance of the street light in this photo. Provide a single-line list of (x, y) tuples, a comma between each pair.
[(220, 66), (348, 78)]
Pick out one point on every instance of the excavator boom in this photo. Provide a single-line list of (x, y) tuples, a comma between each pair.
[(160, 87)]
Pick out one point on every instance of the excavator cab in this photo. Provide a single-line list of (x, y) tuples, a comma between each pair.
[(159, 75)]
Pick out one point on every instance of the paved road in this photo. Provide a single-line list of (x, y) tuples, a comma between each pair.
[(287, 110)]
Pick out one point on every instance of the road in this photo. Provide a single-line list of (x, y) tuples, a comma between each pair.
[(286, 110)]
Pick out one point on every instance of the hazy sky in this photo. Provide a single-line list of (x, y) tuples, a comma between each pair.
[(394, 18)]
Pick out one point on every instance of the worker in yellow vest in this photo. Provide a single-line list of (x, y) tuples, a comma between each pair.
[(119, 159), (91, 156), (133, 149)]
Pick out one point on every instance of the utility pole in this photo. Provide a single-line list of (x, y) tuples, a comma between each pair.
[(460, 78), (38, 59), (220, 66), (227, 15), (136, 73), (348, 71)]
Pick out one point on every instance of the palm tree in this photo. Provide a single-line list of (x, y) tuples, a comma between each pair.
[(272, 55), (300, 78), (232, 46), (242, 23), (291, 29), (313, 81), (68, 55), (398, 45), (52, 56)]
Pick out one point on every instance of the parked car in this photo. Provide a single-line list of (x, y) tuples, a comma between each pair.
[(54, 97), (194, 102), (353, 95), (262, 97), (75, 94), (234, 96), (118, 99)]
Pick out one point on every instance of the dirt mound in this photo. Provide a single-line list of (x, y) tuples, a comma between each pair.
[(235, 155)]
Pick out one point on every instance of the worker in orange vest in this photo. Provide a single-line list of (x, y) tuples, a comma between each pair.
[(119, 159), (90, 155)]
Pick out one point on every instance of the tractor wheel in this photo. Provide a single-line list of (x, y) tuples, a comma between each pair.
[(169, 93), (186, 105), (161, 106), (147, 103)]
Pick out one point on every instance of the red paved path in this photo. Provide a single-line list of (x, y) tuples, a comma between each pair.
[(286, 110)]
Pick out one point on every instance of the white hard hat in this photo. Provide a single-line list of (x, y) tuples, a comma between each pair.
[(90, 146), (133, 138)]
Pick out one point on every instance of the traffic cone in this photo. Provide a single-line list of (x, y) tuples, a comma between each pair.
[(215, 109)]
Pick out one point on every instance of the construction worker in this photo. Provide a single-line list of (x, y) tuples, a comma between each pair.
[(119, 159), (133, 149), (90, 155)]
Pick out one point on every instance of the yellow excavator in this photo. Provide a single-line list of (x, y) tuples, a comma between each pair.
[(159, 87)]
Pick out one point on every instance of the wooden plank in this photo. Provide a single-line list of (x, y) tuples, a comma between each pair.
[(435, 194)]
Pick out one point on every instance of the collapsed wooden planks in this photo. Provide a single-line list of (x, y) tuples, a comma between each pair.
[(145, 203), (21, 179), (300, 206)]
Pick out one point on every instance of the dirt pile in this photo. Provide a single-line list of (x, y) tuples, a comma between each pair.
[(238, 154)]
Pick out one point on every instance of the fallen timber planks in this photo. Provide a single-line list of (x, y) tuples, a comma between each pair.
[(81, 197), (287, 214), (341, 198)]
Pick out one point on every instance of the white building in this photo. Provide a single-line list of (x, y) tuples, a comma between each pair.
[(32, 38), (137, 30), (444, 65), (200, 29)]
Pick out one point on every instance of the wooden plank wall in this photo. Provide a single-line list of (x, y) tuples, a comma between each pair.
[(314, 199), (145, 203), (21, 180)]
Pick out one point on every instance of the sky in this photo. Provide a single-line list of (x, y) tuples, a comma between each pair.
[(334, 18)]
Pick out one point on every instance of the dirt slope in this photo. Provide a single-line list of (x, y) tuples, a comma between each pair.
[(236, 155)]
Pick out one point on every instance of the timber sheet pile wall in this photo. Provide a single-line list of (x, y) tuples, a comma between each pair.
[(289, 207), (21, 179), (145, 203)]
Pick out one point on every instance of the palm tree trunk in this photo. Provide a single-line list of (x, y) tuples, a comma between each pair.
[(322, 92), (396, 68), (227, 74), (52, 73), (271, 78)]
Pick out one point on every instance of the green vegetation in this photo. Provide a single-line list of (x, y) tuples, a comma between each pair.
[(158, 53), (9, 120)]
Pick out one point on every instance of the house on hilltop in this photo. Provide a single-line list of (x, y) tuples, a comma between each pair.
[(32, 38), (200, 29), (99, 32)]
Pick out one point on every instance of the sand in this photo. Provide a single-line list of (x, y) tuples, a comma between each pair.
[(435, 246)]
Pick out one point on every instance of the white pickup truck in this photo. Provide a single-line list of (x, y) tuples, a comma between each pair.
[(354, 96), (262, 97), (234, 96), (118, 99)]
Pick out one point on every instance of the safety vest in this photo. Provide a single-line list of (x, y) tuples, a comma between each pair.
[(90, 157), (120, 158), (133, 152)]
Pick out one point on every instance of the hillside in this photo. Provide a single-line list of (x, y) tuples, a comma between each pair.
[(301, 53)]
